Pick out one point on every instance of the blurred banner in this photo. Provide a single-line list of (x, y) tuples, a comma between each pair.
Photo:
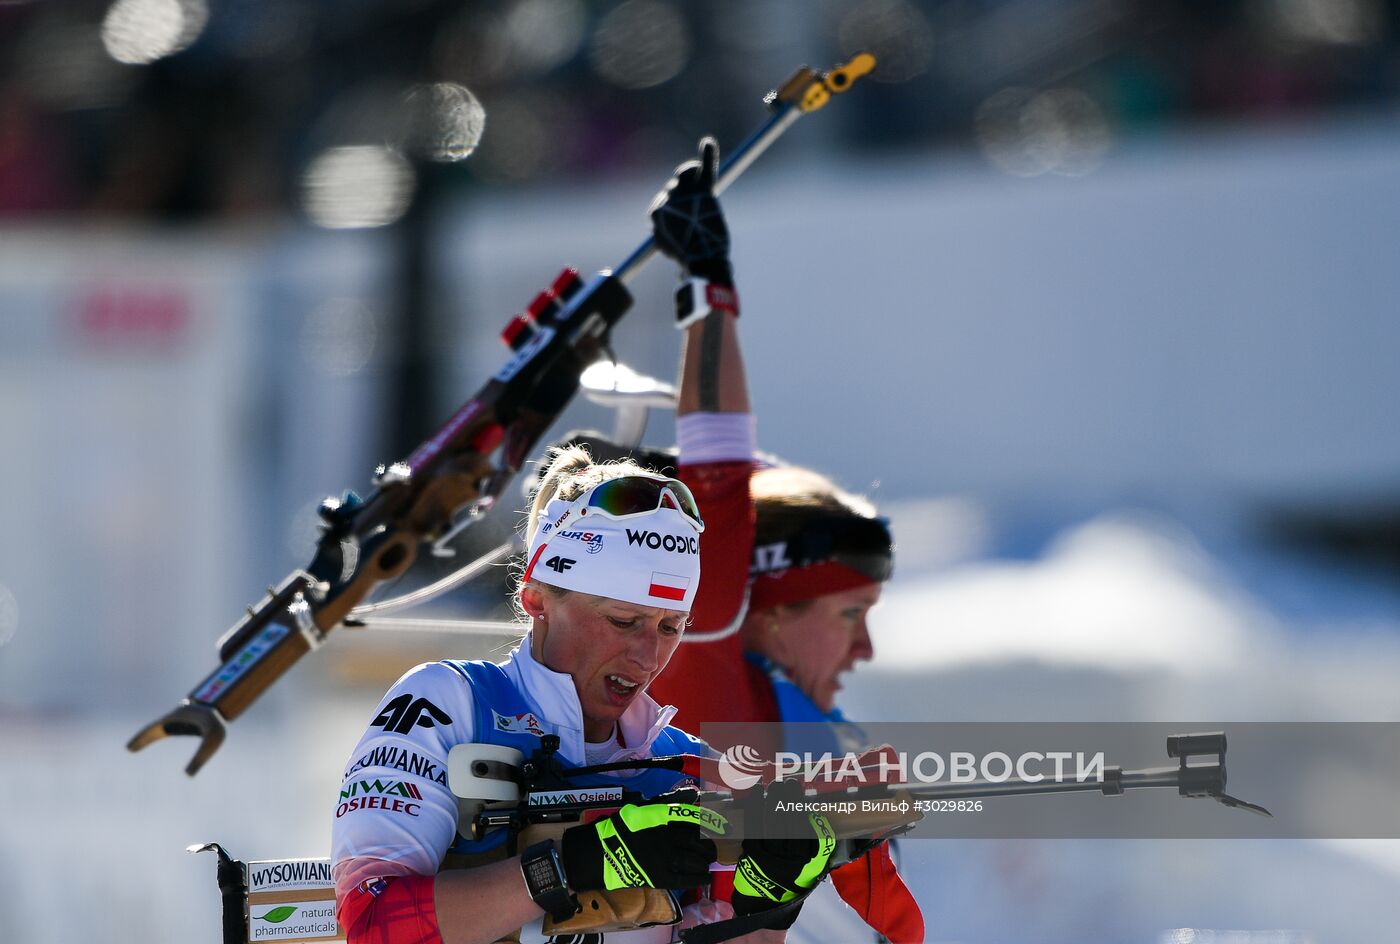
[(168, 405)]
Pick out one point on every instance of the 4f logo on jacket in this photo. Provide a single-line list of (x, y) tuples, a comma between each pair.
[(401, 714)]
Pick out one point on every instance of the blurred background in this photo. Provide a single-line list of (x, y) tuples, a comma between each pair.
[(1094, 297)]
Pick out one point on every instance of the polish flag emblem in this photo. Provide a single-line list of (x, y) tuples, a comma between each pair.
[(668, 586)]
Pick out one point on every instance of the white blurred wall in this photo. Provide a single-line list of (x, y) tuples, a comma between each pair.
[(1210, 316), (168, 402)]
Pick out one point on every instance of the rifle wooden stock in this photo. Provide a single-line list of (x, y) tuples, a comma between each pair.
[(368, 543)]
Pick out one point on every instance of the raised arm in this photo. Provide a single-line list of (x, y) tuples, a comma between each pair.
[(716, 435), (689, 227)]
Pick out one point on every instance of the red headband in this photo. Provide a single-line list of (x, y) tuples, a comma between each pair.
[(803, 583)]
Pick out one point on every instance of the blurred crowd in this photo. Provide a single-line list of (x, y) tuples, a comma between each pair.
[(199, 109)]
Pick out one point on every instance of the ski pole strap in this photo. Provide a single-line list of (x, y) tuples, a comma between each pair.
[(696, 298)]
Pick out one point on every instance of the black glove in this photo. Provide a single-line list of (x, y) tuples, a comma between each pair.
[(688, 223), (654, 845), (784, 857)]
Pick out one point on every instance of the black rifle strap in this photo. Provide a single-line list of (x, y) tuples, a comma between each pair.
[(740, 925), (233, 889)]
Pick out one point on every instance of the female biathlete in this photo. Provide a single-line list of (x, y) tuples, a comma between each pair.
[(782, 611), (612, 571)]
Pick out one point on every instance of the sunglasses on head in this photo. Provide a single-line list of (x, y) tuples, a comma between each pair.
[(634, 495)]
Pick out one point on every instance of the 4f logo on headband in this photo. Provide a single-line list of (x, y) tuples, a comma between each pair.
[(668, 586)]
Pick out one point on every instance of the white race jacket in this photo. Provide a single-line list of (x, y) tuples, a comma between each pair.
[(395, 814)]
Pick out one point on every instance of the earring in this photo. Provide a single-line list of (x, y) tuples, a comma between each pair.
[(773, 625)]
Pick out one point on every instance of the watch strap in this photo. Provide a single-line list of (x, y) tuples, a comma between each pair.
[(545, 880)]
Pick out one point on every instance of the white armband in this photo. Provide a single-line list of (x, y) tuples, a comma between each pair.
[(696, 298)]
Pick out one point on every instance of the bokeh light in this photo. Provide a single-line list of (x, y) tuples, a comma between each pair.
[(543, 34), (137, 32), (445, 121), (339, 337), (640, 44), (1335, 22), (1027, 133), (758, 25), (357, 186), (895, 31), (487, 45)]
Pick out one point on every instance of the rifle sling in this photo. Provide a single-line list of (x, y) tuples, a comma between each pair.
[(743, 924)]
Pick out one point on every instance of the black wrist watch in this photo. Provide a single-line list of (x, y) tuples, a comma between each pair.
[(544, 878)]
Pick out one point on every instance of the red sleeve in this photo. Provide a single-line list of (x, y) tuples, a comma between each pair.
[(873, 887), (391, 911), (700, 669), (722, 491)]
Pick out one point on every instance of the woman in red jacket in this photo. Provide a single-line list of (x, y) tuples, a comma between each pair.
[(782, 604)]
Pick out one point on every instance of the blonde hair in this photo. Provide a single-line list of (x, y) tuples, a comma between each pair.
[(787, 497), (569, 471)]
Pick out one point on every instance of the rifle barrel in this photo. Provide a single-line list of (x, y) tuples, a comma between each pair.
[(1115, 781)]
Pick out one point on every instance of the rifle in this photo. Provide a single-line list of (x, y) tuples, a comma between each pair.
[(536, 800), (455, 476)]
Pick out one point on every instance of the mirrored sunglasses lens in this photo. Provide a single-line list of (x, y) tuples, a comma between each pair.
[(686, 500), (633, 496), (626, 496)]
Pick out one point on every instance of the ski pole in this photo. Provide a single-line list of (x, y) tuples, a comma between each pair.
[(805, 91)]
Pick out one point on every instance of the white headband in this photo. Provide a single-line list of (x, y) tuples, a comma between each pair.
[(649, 560)]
